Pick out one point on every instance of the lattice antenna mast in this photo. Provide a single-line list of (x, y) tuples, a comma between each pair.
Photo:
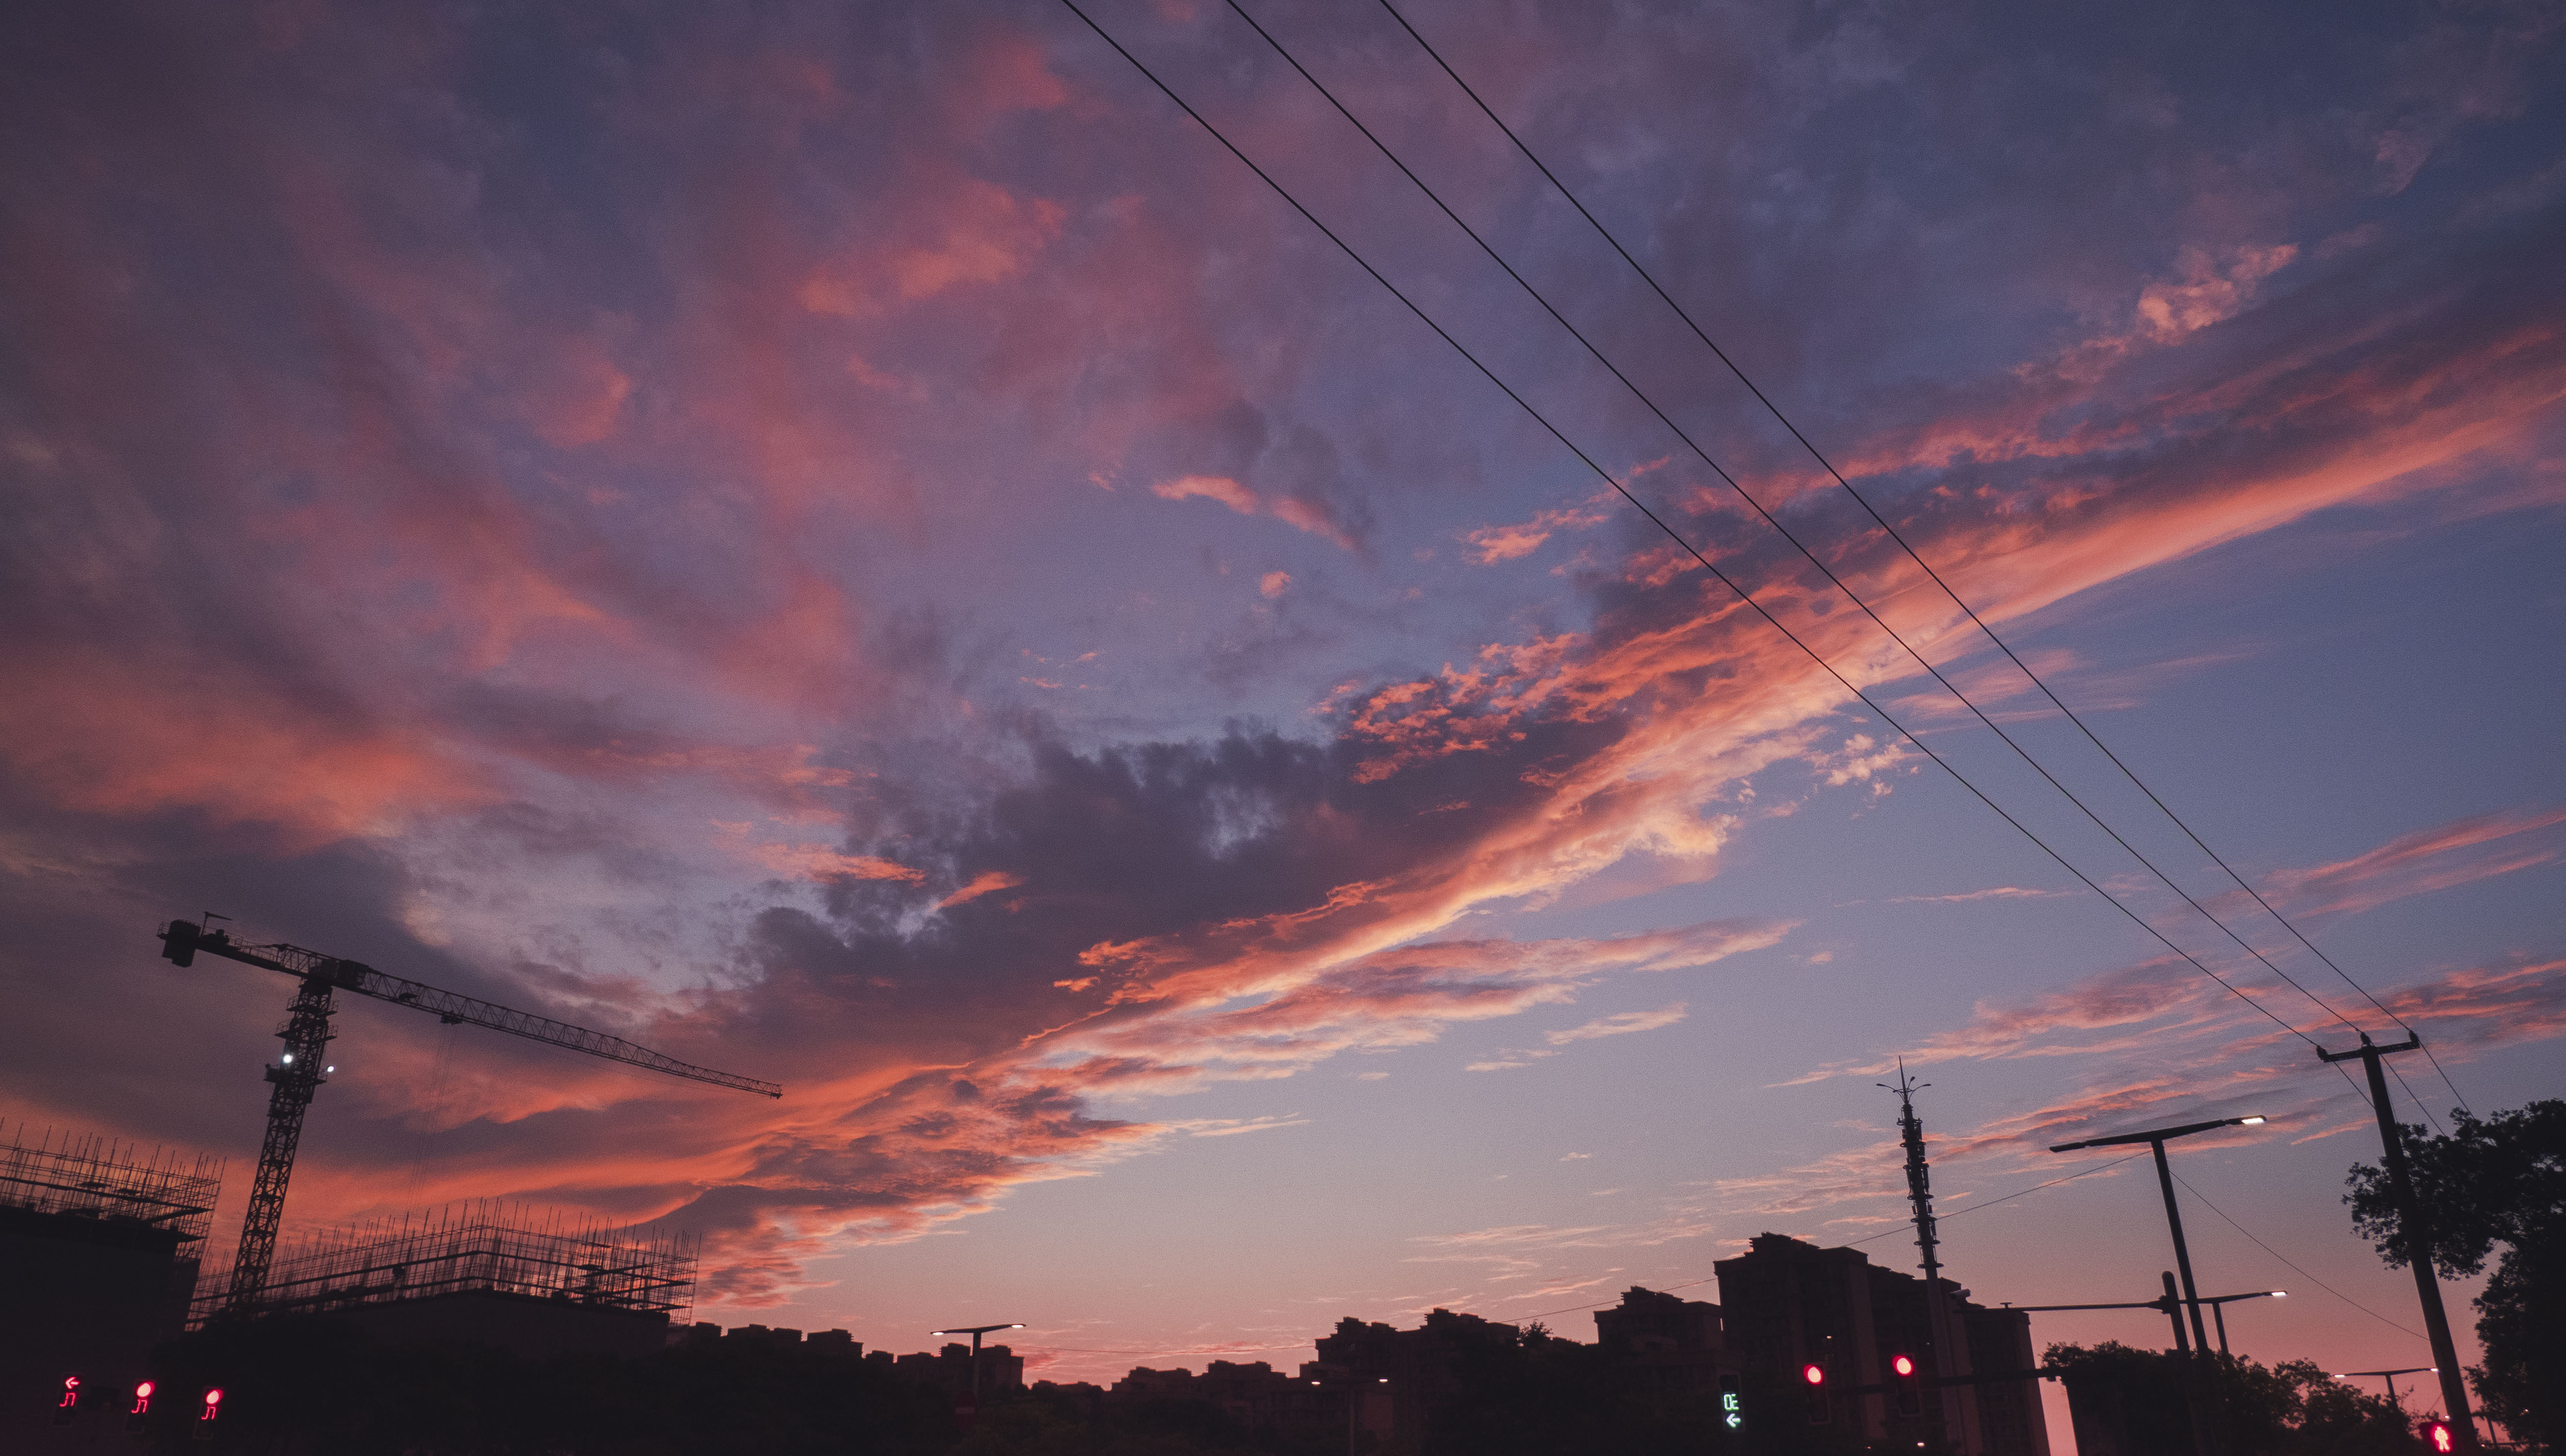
[(306, 1035), (1919, 1192), (1920, 1178)]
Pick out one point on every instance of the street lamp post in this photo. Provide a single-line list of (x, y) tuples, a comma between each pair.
[(2390, 1376), (2155, 1139), (2172, 1307), (975, 1332), (2218, 1309)]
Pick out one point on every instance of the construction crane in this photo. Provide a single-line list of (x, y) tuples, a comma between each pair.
[(307, 1038)]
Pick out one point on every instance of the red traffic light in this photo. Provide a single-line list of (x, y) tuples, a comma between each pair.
[(1814, 1375), (71, 1392), (141, 1397), (1903, 1365), (2439, 1434), (213, 1399)]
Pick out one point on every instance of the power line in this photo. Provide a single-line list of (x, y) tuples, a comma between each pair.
[(1668, 1289), (2310, 1277), (1768, 517), (1904, 545), (1857, 1243), (1783, 531), (2008, 1198), (1671, 534), (2419, 1105), (1774, 523)]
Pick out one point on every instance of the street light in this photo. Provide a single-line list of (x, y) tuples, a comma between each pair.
[(2156, 1140), (975, 1332), (2391, 1377), (2218, 1309), (2169, 1305), (2202, 1437)]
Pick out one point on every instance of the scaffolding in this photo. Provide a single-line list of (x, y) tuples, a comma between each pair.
[(84, 1175), (480, 1246)]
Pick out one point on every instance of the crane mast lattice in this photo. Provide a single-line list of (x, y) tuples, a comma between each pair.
[(306, 1035)]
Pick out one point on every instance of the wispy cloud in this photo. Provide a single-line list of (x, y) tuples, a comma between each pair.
[(1619, 1023)]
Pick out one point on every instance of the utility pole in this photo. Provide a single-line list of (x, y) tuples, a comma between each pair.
[(1938, 1320), (2417, 1233), (2174, 1312)]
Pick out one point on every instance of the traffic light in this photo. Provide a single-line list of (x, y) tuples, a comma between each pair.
[(1816, 1389), (67, 1404), (1733, 1406), (1909, 1385), (2436, 1434), (206, 1417), (135, 1414)]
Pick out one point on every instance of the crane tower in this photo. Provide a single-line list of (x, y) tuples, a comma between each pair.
[(306, 1035)]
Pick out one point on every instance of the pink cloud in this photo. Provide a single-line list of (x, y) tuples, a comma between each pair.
[(2424, 862), (985, 883)]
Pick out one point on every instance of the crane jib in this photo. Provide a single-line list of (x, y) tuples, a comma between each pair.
[(181, 939)]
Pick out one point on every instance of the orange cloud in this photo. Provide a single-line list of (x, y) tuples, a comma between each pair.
[(982, 883)]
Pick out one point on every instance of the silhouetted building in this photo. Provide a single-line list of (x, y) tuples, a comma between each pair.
[(1392, 1381), (949, 1368), (1787, 1305), (485, 1274), (1675, 1346), (1145, 1383), (1256, 1395), (1079, 1398), (97, 1260)]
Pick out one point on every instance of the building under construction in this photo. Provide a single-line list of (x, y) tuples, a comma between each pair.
[(98, 1247), (532, 1282)]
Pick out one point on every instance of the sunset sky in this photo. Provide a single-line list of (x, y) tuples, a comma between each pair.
[(855, 545)]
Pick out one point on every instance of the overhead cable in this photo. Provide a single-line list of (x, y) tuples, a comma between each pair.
[(2303, 1274), (1895, 535), (1770, 520), (1743, 595)]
